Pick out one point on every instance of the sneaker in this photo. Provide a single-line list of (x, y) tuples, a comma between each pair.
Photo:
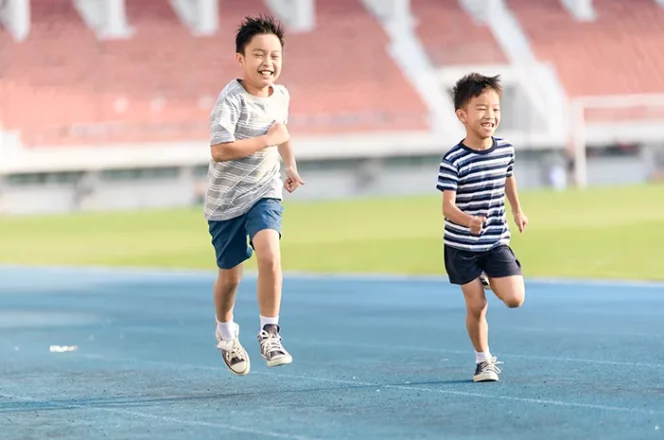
[(271, 349), (487, 371), (235, 356), (485, 281)]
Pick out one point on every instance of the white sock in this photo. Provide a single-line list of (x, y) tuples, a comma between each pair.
[(265, 320), (226, 329), (482, 356)]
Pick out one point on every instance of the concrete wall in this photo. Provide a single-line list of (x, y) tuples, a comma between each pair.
[(324, 180)]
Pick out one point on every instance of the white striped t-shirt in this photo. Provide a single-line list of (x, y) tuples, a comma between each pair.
[(478, 178), (234, 186)]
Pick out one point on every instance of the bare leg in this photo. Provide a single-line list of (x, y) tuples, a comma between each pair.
[(225, 289), (268, 254), (511, 290), (478, 331), (476, 307)]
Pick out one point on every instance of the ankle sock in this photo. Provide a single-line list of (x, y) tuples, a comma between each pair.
[(265, 320)]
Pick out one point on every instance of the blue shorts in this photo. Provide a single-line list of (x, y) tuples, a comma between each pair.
[(229, 237)]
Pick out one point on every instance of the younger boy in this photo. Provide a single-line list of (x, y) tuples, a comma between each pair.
[(243, 198), (475, 176)]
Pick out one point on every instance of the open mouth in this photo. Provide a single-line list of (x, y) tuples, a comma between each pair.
[(266, 73), (488, 125)]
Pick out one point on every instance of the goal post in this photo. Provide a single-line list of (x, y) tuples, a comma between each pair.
[(607, 120)]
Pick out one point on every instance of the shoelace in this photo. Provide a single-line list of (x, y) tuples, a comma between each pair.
[(236, 350), (491, 365), (271, 342)]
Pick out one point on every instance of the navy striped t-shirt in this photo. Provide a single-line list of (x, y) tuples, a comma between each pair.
[(478, 177)]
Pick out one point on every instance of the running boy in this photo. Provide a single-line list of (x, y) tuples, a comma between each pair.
[(243, 198), (475, 176)]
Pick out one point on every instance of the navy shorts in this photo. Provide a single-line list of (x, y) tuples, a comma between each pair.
[(232, 239), (464, 266)]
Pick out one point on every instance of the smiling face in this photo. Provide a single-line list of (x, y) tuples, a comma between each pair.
[(261, 63), (481, 114)]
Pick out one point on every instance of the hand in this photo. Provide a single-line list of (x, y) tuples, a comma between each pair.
[(293, 179), (277, 134), (521, 220), (476, 224)]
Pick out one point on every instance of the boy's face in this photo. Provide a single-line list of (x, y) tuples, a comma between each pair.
[(261, 61), (481, 115)]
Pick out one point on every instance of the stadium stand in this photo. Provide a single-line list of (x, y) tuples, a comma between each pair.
[(89, 123), (618, 53), (160, 84), (464, 41)]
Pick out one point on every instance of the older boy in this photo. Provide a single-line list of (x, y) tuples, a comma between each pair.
[(243, 198)]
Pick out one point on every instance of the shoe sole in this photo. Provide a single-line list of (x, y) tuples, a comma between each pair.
[(238, 373), (486, 378), (241, 373), (279, 362)]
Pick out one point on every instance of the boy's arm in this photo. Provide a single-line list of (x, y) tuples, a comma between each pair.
[(223, 145), (293, 179), (246, 147), (512, 194), (286, 153), (448, 176), (285, 148), (238, 149), (510, 188), (452, 212), (513, 197)]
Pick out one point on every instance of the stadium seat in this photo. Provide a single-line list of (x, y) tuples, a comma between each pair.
[(451, 37), (619, 53), (161, 84)]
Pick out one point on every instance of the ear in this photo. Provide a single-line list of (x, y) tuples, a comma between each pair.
[(240, 59), (461, 115)]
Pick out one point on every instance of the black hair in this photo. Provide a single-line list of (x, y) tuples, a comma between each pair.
[(252, 26), (473, 85)]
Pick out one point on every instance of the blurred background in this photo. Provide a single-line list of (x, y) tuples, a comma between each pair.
[(104, 104)]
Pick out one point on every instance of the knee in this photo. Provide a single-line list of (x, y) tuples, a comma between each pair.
[(266, 245), (510, 290), (228, 282), (515, 301), (476, 307), (269, 261)]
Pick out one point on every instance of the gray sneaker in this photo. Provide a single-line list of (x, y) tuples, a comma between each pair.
[(272, 351), (487, 371), (235, 356)]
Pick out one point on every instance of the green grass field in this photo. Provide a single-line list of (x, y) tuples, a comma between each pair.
[(598, 233)]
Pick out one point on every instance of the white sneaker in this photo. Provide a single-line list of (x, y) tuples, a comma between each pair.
[(235, 356), (271, 349), (487, 371)]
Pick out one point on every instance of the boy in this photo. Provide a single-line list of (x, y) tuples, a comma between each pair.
[(243, 198), (475, 176)]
